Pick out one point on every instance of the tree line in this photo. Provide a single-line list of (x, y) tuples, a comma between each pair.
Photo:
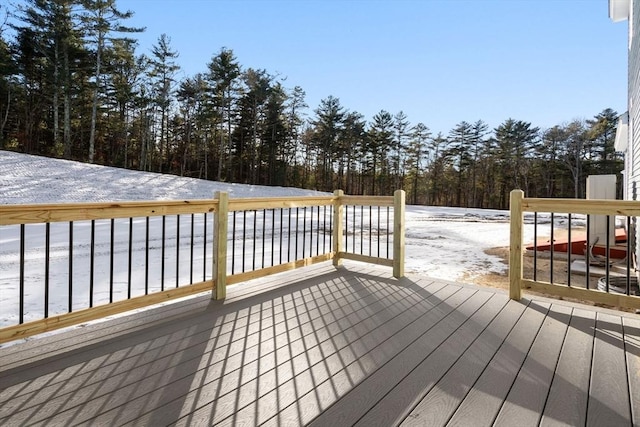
[(72, 85)]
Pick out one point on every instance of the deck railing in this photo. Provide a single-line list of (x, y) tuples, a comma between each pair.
[(607, 276), (64, 264)]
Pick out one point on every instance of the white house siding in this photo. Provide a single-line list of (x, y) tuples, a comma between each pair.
[(633, 154)]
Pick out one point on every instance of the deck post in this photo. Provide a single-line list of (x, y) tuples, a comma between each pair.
[(220, 227), (338, 213), (398, 233), (515, 246)]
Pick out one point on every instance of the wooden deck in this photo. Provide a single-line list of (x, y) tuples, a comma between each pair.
[(335, 347)]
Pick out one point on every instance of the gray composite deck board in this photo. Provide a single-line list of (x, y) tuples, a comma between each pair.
[(631, 328), (441, 401), (569, 392), (135, 363), (334, 368), (609, 391), (417, 341), (526, 399), (296, 370), (206, 365), (333, 347), (396, 404), (482, 403)]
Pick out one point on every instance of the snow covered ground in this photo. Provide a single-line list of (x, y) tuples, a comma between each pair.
[(441, 242)]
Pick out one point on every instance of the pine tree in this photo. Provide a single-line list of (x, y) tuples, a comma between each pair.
[(327, 127), (294, 110), (460, 140), (224, 74), (101, 18), (380, 140), (163, 72), (401, 133), (8, 71), (416, 156)]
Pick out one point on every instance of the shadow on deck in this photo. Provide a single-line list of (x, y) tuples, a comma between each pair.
[(335, 347)]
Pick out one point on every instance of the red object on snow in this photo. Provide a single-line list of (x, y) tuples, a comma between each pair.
[(579, 245)]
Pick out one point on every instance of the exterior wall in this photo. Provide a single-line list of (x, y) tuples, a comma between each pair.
[(632, 159), (632, 156)]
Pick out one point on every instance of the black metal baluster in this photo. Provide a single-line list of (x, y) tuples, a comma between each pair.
[(255, 224), (204, 251), (111, 244), (370, 229), (608, 249), (70, 266), (324, 229), (177, 250), (47, 253), (289, 237), (362, 230), (331, 228), (388, 231), (244, 238), (354, 231), (273, 236), (233, 245), (21, 315), (264, 231), (311, 234), (281, 229), (588, 254), (628, 260), (297, 222), (346, 229), (552, 248), (146, 257), (191, 252), (130, 258), (569, 250), (535, 246), (304, 229), (318, 232), (378, 254), (164, 223), (91, 260)]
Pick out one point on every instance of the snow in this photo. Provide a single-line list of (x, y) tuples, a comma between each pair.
[(441, 242)]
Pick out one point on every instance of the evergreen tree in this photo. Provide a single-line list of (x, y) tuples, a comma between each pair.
[(101, 18), (163, 72), (327, 128), (354, 139), (416, 156), (401, 133), (574, 154), (460, 140), (380, 140), (294, 110), (515, 142), (601, 136), (224, 74), (8, 71)]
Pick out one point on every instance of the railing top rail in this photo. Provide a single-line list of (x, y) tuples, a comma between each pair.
[(40, 213), (58, 212), (258, 203), (582, 206), (367, 200)]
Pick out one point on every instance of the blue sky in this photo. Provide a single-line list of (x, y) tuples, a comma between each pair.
[(441, 62)]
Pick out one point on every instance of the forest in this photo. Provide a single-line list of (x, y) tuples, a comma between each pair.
[(73, 85)]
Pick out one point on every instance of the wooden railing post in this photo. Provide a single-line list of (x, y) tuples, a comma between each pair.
[(398, 233), (220, 227), (515, 246), (338, 213)]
